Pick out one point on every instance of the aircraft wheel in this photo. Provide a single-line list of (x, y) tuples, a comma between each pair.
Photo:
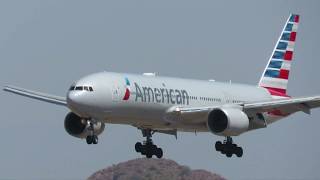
[(89, 139), (95, 139), (159, 153), (239, 152), (218, 146), (229, 154), (138, 147), (149, 154)]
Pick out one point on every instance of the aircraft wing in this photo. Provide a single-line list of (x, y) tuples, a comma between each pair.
[(289, 105), (36, 95), (283, 106)]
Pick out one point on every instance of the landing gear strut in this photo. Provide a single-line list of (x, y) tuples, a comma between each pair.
[(148, 148), (91, 138), (228, 148)]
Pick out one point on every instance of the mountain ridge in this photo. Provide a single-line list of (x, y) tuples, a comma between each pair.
[(152, 169)]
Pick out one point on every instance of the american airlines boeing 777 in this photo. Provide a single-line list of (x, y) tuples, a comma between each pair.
[(167, 105)]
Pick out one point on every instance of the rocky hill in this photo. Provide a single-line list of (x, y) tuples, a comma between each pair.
[(152, 169)]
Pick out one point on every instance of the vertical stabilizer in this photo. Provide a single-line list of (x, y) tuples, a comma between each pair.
[(276, 74)]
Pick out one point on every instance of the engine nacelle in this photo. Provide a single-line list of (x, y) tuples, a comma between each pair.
[(78, 127), (227, 121)]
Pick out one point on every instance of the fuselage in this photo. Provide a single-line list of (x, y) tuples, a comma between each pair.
[(144, 100)]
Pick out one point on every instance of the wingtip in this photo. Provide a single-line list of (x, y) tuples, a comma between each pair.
[(9, 88), (5, 88)]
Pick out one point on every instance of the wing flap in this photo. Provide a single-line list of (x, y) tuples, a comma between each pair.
[(36, 95)]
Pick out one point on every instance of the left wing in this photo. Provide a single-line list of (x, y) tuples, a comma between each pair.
[(288, 105), (36, 95), (285, 106)]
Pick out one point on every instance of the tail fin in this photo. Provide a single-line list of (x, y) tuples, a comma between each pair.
[(276, 74)]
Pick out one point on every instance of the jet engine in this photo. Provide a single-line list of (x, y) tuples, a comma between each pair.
[(78, 127), (227, 121)]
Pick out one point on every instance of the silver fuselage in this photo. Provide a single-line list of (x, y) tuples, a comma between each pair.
[(150, 98)]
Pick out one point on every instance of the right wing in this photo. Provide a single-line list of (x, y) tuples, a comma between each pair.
[(36, 95)]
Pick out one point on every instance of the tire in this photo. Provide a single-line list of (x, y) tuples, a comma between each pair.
[(218, 146), (234, 146), (229, 155), (138, 147), (239, 152), (95, 139), (153, 147), (223, 152), (148, 155), (89, 139), (159, 153), (143, 150)]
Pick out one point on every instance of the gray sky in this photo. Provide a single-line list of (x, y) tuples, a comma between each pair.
[(46, 45)]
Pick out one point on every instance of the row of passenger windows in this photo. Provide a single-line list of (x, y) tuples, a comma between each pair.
[(81, 88), (235, 101), (205, 99), (212, 99)]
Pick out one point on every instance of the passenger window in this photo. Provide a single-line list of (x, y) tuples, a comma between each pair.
[(90, 88)]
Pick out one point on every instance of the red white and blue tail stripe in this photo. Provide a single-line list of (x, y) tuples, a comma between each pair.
[(276, 74)]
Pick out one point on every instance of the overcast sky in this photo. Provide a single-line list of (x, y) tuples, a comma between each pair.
[(46, 45)]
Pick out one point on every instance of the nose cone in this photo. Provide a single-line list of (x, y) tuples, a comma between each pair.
[(72, 98), (76, 101)]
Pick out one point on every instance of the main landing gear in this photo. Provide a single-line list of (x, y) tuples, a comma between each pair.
[(148, 148), (91, 138), (228, 148)]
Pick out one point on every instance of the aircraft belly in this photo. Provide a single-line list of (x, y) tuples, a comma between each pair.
[(152, 118)]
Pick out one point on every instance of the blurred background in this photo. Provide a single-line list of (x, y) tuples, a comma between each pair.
[(47, 45)]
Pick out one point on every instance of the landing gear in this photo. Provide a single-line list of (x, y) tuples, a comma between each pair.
[(228, 148), (92, 138), (147, 148)]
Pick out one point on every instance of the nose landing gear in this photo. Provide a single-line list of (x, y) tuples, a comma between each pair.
[(228, 148), (147, 148), (92, 138)]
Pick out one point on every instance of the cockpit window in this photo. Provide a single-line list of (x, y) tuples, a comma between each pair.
[(81, 88), (72, 88)]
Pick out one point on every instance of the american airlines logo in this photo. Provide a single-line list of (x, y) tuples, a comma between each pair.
[(127, 93), (161, 95), (157, 95)]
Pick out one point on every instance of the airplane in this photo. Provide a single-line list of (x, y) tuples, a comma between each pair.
[(155, 104)]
